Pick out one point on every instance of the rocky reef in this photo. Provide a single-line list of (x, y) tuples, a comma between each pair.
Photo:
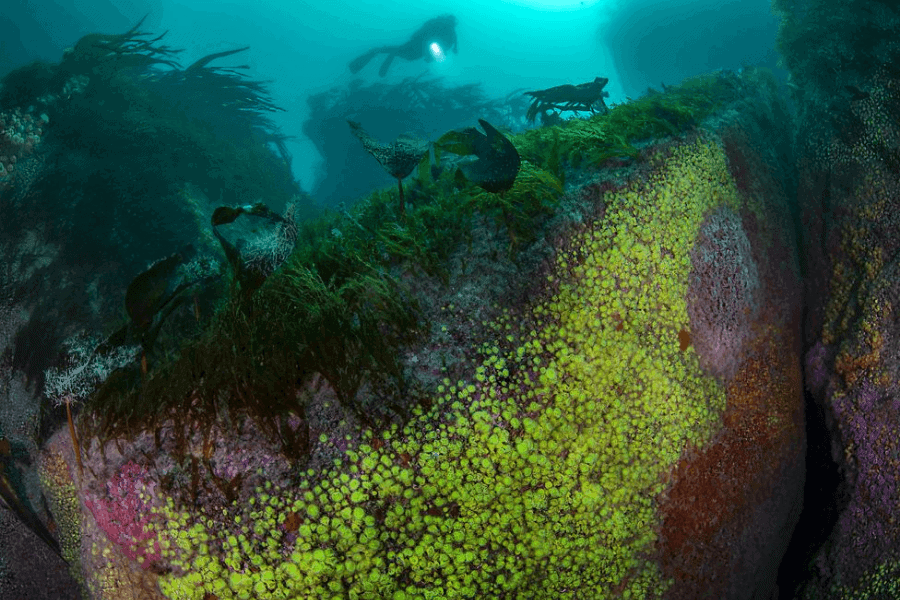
[(849, 172), (623, 419), (596, 380)]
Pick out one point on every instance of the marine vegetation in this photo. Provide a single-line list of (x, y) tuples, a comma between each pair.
[(342, 307), (247, 274), (153, 295), (131, 130), (87, 364), (503, 485), (427, 107), (398, 158), (440, 30), (117, 52), (615, 136), (338, 308), (582, 97), (496, 161), (121, 106), (138, 152), (346, 275), (523, 208)]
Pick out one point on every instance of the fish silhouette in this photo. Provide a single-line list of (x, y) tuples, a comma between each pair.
[(440, 30)]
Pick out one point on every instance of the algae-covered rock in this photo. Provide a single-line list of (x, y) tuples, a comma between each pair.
[(632, 428), (849, 187)]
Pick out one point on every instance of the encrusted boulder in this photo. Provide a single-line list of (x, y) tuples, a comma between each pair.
[(633, 427)]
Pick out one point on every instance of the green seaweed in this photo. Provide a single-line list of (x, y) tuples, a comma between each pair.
[(602, 137), (338, 309), (346, 330), (522, 209)]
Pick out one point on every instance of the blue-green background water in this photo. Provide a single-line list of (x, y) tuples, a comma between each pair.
[(303, 48)]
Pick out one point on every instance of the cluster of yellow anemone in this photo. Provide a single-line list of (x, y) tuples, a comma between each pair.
[(537, 477)]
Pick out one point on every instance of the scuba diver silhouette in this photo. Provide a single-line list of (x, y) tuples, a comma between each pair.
[(440, 30)]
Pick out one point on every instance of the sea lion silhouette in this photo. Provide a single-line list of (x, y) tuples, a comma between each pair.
[(440, 30)]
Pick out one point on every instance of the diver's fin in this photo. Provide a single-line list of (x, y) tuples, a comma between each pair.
[(361, 61), (386, 64)]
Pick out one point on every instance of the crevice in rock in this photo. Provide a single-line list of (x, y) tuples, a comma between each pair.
[(822, 503)]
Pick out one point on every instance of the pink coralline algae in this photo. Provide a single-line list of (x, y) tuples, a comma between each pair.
[(867, 527), (20, 133), (125, 514), (723, 293)]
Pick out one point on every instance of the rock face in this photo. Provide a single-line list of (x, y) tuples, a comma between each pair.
[(850, 204), (634, 430), (738, 497), (846, 85)]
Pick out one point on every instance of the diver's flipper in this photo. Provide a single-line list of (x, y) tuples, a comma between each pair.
[(361, 61), (386, 64)]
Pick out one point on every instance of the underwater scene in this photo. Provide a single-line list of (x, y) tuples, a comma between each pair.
[(488, 300)]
